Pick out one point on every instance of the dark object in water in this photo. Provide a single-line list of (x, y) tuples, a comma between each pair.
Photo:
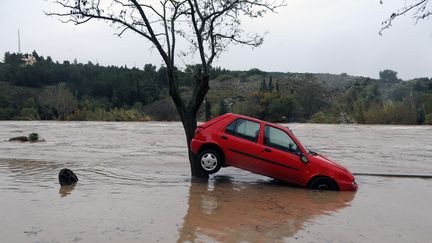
[(20, 138), (33, 137), (67, 177)]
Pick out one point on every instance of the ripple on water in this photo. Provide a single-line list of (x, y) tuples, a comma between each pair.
[(134, 185), (132, 152)]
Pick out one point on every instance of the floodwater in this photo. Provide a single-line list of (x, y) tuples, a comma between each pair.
[(134, 186)]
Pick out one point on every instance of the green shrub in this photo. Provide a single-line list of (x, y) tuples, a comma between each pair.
[(322, 117), (161, 110), (390, 112), (281, 109), (115, 114), (33, 137), (225, 77), (428, 119)]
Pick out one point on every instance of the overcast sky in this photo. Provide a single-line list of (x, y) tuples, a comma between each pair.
[(318, 36)]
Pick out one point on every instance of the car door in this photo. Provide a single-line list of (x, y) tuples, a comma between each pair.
[(280, 156), (239, 141)]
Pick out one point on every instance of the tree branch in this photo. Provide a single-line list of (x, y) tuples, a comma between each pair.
[(154, 38), (419, 6)]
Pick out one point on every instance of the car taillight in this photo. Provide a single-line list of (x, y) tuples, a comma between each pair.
[(198, 130)]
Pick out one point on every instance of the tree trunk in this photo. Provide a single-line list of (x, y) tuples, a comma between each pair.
[(190, 124), (188, 115)]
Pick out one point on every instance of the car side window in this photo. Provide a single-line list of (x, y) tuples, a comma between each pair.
[(278, 139), (244, 129)]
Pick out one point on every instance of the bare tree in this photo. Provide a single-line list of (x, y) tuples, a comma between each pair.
[(207, 26), (418, 8)]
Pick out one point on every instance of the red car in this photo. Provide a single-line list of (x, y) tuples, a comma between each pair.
[(267, 149)]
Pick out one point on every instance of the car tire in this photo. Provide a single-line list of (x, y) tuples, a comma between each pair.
[(324, 184), (209, 161)]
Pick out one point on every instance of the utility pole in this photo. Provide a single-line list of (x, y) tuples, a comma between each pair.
[(19, 42)]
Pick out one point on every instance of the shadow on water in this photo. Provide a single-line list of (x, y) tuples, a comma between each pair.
[(66, 190), (228, 211)]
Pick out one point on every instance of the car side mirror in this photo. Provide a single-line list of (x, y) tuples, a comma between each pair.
[(303, 158)]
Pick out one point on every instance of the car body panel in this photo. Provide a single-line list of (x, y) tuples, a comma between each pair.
[(280, 164), (239, 152)]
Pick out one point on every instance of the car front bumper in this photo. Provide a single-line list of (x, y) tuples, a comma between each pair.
[(348, 186)]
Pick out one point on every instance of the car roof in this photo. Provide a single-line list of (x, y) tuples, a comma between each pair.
[(258, 120)]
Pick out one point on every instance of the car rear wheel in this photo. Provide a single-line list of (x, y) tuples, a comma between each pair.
[(209, 161), (323, 183)]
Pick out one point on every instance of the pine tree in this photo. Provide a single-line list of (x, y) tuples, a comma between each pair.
[(207, 110), (277, 86), (223, 109), (270, 85), (36, 56), (263, 87)]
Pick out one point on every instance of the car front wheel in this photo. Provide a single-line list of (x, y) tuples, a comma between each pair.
[(209, 161), (323, 183)]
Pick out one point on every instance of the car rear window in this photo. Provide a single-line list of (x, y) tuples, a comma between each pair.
[(244, 129)]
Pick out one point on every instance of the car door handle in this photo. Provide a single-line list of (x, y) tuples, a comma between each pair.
[(267, 150), (224, 137)]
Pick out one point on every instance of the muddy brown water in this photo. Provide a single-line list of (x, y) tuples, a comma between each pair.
[(135, 187)]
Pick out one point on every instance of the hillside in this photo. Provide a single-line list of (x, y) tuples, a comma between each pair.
[(46, 90)]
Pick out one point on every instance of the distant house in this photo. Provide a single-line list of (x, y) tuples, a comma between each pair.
[(29, 60)]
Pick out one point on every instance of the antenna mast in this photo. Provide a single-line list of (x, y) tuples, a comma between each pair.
[(19, 42)]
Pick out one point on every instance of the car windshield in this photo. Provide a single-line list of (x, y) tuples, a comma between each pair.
[(299, 143)]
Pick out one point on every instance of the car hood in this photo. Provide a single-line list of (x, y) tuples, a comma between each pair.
[(327, 160)]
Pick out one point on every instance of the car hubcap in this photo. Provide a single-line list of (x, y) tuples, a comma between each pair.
[(209, 161), (323, 187)]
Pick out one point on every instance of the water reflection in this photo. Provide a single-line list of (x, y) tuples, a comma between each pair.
[(229, 211), (66, 190)]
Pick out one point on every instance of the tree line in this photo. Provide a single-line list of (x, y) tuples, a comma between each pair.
[(39, 87), (323, 98), (34, 87)]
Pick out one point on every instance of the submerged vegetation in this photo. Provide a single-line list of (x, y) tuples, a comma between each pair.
[(33, 87), (32, 137)]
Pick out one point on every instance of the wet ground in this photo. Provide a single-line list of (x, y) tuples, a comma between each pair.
[(135, 187)]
